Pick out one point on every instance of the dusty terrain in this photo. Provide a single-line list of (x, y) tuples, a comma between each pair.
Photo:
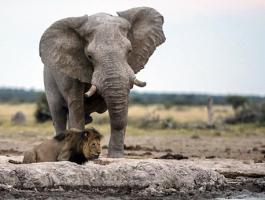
[(148, 146), (185, 134)]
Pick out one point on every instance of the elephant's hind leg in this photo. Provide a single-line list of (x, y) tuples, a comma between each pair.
[(59, 117), (56, 102)]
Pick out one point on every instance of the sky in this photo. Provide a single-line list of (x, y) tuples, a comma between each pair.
[(212, 46)]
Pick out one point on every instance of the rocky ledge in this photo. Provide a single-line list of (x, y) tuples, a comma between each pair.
[(141, 176)]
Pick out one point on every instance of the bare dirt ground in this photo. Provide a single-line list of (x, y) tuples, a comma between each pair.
[(250, 147), (243, 148), (244, 142)]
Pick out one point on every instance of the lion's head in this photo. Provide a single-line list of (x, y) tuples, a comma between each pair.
[(91, 143), (82, 145)]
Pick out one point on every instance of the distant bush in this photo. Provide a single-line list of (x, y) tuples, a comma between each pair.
[(42, 113), (246, 111), (249, 113), (169, 123), (152, 120), (18, 118), (237, 101)]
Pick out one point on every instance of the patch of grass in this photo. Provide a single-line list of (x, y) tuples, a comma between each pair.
[(26, 131), (8, 110), (245, 129), (186, 118)]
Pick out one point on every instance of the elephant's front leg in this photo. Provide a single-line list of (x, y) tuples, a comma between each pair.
[(116, 143), (118, 125), (76, 118)]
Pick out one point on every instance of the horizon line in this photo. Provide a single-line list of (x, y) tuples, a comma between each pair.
[(153, 92)]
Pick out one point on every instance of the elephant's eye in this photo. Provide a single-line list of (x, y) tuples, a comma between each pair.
[(129, 51), (89, 57)]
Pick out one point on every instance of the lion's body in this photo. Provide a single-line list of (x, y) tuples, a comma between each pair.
[(72, 146), (48, 151)]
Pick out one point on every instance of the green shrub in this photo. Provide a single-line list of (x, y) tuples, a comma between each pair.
[(237, 101), (42, 113), (150, 121), (249, 113), (169, 123), (154, 121)]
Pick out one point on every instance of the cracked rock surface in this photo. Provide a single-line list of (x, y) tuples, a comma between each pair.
[(139, 176), (149, 175)]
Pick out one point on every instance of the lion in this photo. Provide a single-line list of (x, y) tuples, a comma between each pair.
[(73, 145)]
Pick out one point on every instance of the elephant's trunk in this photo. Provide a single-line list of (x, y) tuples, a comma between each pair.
[(113, 83), (115, 92)]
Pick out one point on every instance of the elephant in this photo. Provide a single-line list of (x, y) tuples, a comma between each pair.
[(90, 64)]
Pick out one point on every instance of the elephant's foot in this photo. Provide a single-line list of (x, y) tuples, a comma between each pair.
[(116, 144), (116, 152)]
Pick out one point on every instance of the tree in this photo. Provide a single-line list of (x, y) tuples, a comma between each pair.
[(236, 101)]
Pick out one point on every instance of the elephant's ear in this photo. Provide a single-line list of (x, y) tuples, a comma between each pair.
[(62, 48), (146, 34)]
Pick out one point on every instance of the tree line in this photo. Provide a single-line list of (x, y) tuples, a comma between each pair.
[(190, 99), (16, 95)]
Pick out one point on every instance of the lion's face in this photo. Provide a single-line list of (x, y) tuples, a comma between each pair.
[(92, 148), (91, 144)]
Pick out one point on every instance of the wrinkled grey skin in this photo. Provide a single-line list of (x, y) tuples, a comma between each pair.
[(101, 50)]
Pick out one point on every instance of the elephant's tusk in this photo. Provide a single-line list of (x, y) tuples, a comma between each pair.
[(75, 130), (91, 91), (139, 83)]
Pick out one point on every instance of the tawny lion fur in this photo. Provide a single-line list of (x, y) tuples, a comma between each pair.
[(74, 146)]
